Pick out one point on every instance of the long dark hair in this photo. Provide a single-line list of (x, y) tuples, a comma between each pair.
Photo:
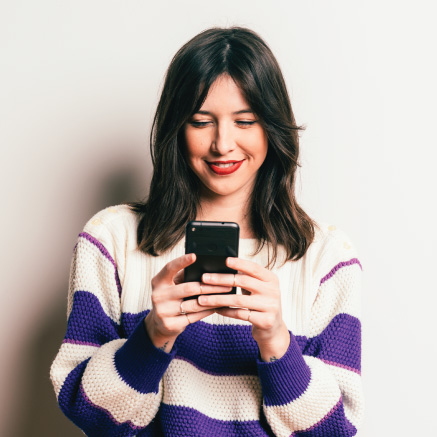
[(276, 218)]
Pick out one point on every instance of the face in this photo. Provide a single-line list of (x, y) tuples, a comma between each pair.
[(225, 142)]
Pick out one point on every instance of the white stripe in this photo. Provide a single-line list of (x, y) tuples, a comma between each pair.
[(352, 391), (230, 398), (91, 271), (339, 294), (105, 388), (321, 395), (68, 357)]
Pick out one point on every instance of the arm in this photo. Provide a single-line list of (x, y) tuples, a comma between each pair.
[(315, 388), (311, 386), (106, 384)]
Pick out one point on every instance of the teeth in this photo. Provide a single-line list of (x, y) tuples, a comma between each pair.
[(223, 165)]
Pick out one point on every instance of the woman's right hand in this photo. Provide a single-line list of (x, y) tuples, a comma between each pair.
[(166, 321)]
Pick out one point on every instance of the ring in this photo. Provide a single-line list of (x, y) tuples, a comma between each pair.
[(234, 280), (248, 317), (187, 318), (182, 310), (201, 291)]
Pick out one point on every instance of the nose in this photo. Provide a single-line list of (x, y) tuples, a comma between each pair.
[(224, 141)]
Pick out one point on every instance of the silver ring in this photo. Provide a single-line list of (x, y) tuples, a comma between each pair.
[(182, 310), (248, 317)]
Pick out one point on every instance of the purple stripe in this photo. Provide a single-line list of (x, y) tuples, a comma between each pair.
[(88, 323), (179, 421), (333, 424), (219, 349), (231, 350), (130, 321), (339, 266), (140, 364), (84, 343), (104, 252), (277, 385), (340, 342), (209, 372)]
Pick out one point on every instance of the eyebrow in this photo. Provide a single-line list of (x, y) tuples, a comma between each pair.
[(241, 111)]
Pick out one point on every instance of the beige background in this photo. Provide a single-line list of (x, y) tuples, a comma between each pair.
[(79, 82)]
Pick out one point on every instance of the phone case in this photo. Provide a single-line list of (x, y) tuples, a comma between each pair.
[(212, 242)]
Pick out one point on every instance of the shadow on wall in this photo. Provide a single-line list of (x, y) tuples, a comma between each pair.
[(38, 412)]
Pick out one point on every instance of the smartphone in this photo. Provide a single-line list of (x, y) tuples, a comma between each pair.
[(212, 242)]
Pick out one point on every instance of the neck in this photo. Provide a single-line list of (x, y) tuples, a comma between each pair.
[(224, 208)]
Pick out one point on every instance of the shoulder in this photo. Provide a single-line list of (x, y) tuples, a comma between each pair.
[(112, 226), (112, 217), (331, 241), (331, 250)]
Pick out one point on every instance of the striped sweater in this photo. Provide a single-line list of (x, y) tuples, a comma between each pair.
[(110, 380)]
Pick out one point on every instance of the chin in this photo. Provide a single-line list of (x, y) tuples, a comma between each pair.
[(219, 190), (229, 190)]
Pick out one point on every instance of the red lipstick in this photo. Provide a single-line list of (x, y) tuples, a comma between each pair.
[(224, 167)]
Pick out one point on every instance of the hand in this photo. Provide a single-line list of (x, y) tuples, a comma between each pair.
[(170, 314), (260, 304)]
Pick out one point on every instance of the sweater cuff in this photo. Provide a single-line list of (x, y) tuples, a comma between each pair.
[(140, 364), (284, 380)]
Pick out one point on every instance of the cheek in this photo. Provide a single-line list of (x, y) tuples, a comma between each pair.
[(195, 144), (259, 144)]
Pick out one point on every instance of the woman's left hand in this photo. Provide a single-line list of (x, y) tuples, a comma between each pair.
[(260, 304)]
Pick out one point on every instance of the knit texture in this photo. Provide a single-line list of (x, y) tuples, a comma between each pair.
[(110, 380)]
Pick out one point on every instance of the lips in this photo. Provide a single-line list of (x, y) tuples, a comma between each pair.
[(223, 168)]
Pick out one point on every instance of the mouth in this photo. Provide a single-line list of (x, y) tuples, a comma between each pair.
[(224, 167)]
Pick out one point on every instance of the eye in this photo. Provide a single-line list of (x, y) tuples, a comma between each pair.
[(245, 123), (199, 123)]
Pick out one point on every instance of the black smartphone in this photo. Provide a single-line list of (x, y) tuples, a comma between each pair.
[(212, 242)]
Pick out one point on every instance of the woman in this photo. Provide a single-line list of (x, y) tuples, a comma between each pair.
[(280, 358)]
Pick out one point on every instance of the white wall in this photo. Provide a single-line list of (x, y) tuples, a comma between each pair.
[(78, 86)]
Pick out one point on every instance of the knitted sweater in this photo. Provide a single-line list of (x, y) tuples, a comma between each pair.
[(110, 379)]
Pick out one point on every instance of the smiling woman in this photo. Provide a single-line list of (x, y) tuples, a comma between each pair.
[(240, 63), (141, 355), (225, 146)]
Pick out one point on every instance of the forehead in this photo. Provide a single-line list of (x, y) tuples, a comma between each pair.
[(225, 94)]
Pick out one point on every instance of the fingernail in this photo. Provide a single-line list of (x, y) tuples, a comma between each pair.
[(230, 261), (206, 277), (202, 300)]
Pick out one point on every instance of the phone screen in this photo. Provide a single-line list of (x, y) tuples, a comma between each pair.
[(212, 242)]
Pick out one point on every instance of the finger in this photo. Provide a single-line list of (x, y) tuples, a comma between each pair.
[(195, 317), (233, 300), (219, 279), (188, 289), (250, 268), (245, 282), (238, 313), (185, 290), (170, 270), (179, 278), (190, 306)]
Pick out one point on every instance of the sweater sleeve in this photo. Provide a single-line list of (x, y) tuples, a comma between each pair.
[(315, 388), (105, 383)]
